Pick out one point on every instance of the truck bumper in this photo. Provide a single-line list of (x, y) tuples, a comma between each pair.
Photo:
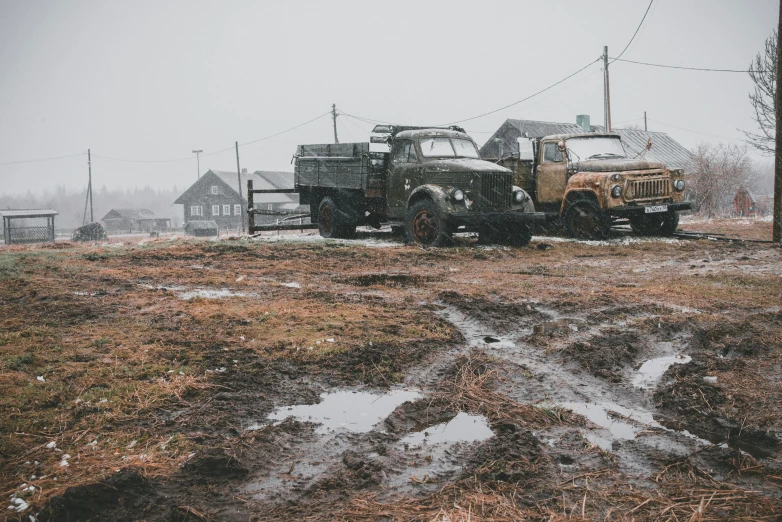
[(509, 217), (629, 210)]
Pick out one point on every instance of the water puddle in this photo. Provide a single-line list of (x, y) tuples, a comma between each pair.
[(462, 428), (206, 293), (562, 325), (650, 372), (352, 411), (622, 423)]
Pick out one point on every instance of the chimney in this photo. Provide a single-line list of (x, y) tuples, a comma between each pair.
[(582, 120), (244, 171)]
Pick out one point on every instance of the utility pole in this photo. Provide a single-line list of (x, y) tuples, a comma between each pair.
[(334, 117), (777, 228), (606, 92), (198, 162), (239, 177), (89, 185), (645, 127)]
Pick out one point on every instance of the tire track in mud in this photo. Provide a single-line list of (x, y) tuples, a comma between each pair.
[(622, 414)]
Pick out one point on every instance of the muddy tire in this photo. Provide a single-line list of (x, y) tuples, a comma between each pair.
[(333, 221), (585, 220), (425, 226), (655, 224)]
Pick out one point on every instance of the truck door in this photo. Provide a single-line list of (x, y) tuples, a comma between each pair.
[(402, 176), (551, 178)]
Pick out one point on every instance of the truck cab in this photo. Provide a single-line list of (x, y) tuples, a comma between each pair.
[(589, 182)]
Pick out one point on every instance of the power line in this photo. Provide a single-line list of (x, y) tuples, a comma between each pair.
[(189, 158), (694, 131), (684, 68), (524, 99), (43, 159), (636, 30)]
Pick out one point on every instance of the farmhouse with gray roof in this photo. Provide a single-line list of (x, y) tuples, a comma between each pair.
[(664, 148), (216, 197)]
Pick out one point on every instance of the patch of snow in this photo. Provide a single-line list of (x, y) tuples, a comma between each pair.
[(40, 378), (51, 445), (292, 285)]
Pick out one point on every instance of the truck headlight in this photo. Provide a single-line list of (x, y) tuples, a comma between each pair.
[(616, 191), (519, 196), (616, 177), (679, 185), (457, 195)]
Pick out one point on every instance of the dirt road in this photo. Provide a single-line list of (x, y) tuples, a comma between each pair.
[(298, 378)]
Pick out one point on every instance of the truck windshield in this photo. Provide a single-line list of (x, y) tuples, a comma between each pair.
[(448, 148), (595, 148)]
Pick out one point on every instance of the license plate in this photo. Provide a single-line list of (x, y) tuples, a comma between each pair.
[(656, 208)]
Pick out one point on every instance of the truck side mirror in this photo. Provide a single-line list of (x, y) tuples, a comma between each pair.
[(526, 151), (561, 146)]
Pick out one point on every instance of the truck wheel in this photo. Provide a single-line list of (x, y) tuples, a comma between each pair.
[(655, 224), (584, 220), (334, 222), (425, 226)]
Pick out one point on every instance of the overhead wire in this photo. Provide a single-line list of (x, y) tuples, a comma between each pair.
[(704, 69), (636, 31), (43, 159), (694, 131)]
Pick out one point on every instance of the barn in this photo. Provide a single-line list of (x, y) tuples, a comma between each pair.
[(129, 220)]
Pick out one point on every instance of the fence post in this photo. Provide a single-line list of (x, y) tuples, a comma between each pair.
[(250, 207)]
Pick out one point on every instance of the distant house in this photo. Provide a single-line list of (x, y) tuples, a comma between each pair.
[(216, 197), (134, 220), (503, 144), (745, 203)]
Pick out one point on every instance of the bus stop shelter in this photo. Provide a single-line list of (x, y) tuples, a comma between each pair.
[(28, 226)]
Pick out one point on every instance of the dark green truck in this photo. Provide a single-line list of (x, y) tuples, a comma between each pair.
[(425, 182)]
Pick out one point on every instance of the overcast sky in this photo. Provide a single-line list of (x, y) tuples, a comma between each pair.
[(153, 80)]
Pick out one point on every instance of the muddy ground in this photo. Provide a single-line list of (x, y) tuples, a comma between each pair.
[(303, 379)]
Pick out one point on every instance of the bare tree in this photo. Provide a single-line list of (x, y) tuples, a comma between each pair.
[(719, 171), (763, 71)]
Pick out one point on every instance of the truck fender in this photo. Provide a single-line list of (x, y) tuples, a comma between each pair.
[(575, 195), (437, 194)]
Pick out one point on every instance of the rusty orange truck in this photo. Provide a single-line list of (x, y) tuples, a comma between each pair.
[(588, 182)]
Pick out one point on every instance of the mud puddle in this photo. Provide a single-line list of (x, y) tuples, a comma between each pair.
[(353, 411), (650, 372), (386, 279), (464, 427)]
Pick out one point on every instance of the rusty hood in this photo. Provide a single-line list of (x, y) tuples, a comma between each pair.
[(617, 165)]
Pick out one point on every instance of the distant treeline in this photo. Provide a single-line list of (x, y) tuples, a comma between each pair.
[(70, 205)]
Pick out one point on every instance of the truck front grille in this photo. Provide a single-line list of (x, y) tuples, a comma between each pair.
[(496, 191), (650, 189)]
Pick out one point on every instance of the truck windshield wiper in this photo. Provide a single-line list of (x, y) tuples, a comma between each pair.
[(604, 154)]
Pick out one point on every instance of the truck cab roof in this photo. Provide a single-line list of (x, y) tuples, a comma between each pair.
[(431, 132)]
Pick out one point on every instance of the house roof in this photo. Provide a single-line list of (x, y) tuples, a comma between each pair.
[(29, 212), (130, 213), (664, 148), (231, 179), (281, 180)]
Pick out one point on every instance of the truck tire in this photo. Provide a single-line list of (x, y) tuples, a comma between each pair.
[(425, 226), (333, 221), (585, 220), (655, 224)]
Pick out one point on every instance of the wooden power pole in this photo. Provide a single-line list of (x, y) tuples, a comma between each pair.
[(334, 117), (606, 91), (778, 145), (239, 178)]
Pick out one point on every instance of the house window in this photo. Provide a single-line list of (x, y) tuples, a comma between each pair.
[(214, 189), (226, 210), (237, 210), (196, 210), (215, 210), (270, 207)]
